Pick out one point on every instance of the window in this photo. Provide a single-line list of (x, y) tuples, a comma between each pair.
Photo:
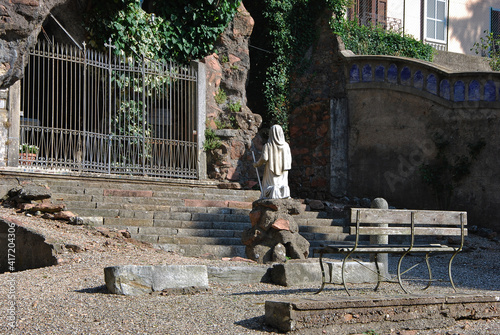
[(368, 12), (495, 22), (436, 20)]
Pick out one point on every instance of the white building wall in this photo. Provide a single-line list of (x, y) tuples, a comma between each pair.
[(467, 21)]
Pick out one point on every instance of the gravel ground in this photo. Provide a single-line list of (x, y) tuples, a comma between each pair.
[(71, 298)]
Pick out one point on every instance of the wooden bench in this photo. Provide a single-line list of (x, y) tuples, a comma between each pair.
[(409, 224)]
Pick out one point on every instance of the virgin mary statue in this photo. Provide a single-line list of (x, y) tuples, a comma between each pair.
[(278, 159)]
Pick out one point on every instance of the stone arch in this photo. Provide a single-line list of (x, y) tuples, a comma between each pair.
[(474, 91), (380, 73), (459, 91), (392, 74), (367, 75), (418, 80), (405, 75), (445, 89), (490, 91), (431, 86), (354, 74)]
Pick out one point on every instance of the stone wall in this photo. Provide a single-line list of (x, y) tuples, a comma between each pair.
[(317, 125), (371, 126), (406, 115), (20, 24), (227, 71)]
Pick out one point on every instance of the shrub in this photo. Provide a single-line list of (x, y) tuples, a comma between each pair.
[(375, 40)]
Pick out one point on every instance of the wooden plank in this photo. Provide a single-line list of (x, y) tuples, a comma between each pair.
[(439, 217), (436, 231), (368, 215), (403, 216)]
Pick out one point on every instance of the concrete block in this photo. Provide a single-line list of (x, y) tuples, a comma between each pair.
[(297, 273), (239, 274), (144, 279)]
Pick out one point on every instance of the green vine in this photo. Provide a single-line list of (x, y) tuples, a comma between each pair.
[(290, 31), (172, 30), (489, 46)]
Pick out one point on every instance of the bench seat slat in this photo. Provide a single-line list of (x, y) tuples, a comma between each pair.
[(387, 248), (369, 230), (403, 216)]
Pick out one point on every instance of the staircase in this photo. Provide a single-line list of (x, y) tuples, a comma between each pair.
[(192, 218)]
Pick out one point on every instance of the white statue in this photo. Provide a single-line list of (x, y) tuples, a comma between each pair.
[(278, 159)]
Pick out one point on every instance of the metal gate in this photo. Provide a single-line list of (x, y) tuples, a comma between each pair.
[(89, 111)]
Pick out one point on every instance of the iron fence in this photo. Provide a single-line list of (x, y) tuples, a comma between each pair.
[(89, 111)]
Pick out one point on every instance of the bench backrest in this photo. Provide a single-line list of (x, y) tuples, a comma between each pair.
[(370, 221)]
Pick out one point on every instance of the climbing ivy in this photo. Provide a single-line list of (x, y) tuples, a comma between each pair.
[(290, 30), (172, 30)]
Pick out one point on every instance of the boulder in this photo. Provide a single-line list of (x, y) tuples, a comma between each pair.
[(274, 235)]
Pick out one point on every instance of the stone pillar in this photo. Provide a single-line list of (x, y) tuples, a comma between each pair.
[(201, 119), (339, 125), (4, 126), (10, 110), (383, 259)]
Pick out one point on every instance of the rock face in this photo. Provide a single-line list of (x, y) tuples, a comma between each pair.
[(227, 111), (20, 24), (273, 228)]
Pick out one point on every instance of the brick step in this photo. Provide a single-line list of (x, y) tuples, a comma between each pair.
[(158, 190)]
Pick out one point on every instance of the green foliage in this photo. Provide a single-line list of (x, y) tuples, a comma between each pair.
[(221, 96), (26, 148), (129, 122), (290, 32), (449, 168), (489, 45), (180, 31), (375, 40), (212, 141), (235, 107)]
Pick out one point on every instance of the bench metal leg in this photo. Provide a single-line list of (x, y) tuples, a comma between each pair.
[(323, 277), (449, 270), (399, 272), (343, 273), (378, 272), (429, 271)]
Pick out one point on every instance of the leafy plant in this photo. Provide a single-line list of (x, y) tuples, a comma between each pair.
[(289, 33), (235, 107), (376, 40), (130, 124), (26, 148), (212, 141), (221, 96), (489, 46), (178, 30)]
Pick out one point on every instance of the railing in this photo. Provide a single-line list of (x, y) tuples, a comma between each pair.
[(89, 111), (422, 77)]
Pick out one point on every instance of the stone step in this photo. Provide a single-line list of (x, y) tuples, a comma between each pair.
[(207, 250), (321, 222)]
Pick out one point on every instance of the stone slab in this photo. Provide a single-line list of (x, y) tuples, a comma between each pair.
[(144, 279), (239, 274), (348, 315), (297, 273)]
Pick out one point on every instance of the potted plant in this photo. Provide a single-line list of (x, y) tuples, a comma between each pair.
[(28, 153)]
